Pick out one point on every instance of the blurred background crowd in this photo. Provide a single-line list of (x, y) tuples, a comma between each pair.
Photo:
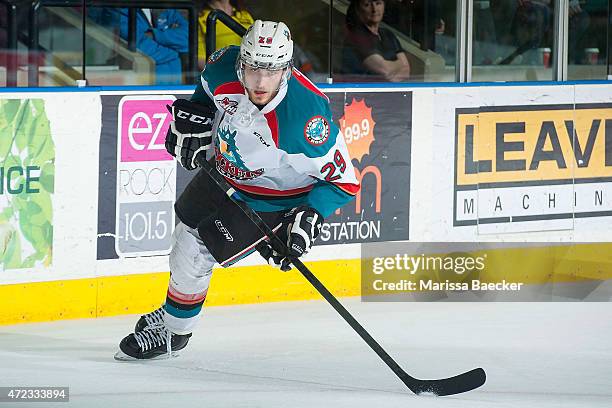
[(57, 43)]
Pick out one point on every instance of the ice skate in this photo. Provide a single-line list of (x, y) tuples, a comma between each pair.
[(150, 319), (153, 343)]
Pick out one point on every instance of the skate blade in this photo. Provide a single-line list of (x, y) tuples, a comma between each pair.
[(121, 356)]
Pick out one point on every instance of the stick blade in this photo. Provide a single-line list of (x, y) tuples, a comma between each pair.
[(448, 386)]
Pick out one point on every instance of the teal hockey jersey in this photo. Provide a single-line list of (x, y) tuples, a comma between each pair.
[(287, 154)]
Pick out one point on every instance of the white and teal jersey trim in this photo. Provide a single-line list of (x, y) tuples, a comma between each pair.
[(287, 154)]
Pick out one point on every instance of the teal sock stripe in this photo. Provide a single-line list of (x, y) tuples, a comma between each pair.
[(182, 314)]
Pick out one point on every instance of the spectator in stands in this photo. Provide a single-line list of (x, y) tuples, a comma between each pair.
[(370, 49), (162, 35), (225, 36)]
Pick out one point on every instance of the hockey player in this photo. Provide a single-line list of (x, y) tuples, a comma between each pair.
[(269, 132)]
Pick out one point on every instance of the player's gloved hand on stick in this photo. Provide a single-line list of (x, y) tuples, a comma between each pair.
[(300, 228), (190, 131), (274, 258)]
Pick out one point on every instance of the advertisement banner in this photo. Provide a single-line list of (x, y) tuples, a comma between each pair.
[(377, 128), (146, 177), (27, 181), (139, 181), (523, 163), (138, 178), (513, 163)]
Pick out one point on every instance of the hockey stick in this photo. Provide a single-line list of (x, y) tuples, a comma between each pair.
[(446, 386)]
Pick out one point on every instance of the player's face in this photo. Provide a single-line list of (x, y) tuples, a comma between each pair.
[(262, 84)]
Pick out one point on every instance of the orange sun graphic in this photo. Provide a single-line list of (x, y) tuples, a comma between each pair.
[(357, 126)]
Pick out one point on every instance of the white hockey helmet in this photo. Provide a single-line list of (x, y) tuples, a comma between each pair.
[(267, 45)]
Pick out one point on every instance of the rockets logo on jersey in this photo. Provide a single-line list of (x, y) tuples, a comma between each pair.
[(229, 170), (228, 159), (228, 148), (228, 105), (316, 130)]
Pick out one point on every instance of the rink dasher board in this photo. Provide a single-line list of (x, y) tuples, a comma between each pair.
[(432, 167)]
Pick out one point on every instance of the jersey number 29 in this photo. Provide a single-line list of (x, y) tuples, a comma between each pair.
[(329, 169)]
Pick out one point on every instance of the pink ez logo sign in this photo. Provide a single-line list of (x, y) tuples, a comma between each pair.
[(143, 124), (146, 177)]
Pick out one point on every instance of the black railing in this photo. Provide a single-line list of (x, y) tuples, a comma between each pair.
[(211, 29)]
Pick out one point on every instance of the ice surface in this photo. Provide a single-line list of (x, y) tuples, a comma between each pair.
[(301, 354)]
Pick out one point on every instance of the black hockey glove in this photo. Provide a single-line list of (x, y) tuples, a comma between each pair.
[(301, 226), (190, 131), (273, 258)]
